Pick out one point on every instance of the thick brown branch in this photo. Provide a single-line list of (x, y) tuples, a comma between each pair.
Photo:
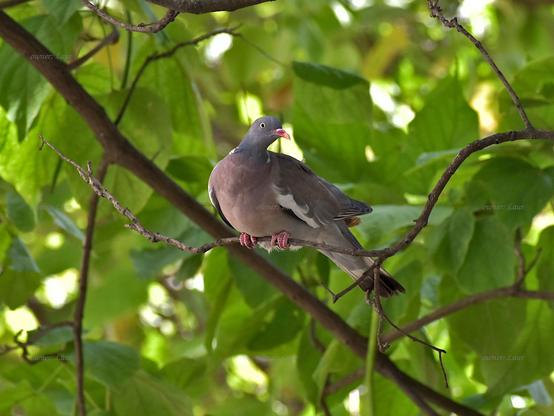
[(126, 155), (141, 27), (83, 286), (453, 23), (206, 6)]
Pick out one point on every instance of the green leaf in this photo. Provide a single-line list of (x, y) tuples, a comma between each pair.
[(253, 287), (525, 359), (533, 84), (109, 362), (307, 359), (545, 264), (190, 169), (23, 88), (490, 259), (5, 241), (185, 372), (64, 222), (386, 219), (19, 212), (189, 267), (326, 76), (20, 277), (143, 395), (332, 120), (62, 11), (450, 240), (105, 300), (21, 164), (517, 190), (46, 337), (191, 133), (286, 323), (446, 122), (390, 399)]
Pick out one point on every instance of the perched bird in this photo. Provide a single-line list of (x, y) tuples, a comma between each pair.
[(262, 193)]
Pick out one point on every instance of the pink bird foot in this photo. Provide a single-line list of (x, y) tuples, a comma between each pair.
[(247, 240), (281, 240)]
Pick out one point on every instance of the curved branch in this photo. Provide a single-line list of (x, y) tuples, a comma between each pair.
[(141, 27), (453, 23), (122, 152), (111, 39)]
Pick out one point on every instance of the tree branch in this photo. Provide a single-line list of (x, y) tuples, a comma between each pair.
[(83, 286), (206, 6), (453, 23), (111, 39), (119, 150), (141, 27), (503, 292)]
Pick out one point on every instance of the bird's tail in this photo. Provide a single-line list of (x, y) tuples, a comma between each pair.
[(358, 266)]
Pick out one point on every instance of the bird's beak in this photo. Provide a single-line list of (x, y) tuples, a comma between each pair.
[(282, 133)]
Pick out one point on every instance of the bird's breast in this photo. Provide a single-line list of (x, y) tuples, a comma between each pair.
[(245, 195)]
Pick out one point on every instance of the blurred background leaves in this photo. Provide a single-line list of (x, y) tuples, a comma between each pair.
[(378, 98)]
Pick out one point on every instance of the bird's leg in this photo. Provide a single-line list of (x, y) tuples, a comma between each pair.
[(281, 240), (247, 240)]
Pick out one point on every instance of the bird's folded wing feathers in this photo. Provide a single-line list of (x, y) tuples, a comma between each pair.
[(311, 198)]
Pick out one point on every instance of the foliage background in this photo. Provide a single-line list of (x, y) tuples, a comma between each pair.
[(379, 98)]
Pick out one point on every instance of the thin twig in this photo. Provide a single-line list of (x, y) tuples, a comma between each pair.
[(141, 27), (383, 345), (453, 23), (111, 39), (166, 54), (83, 286), (463, 303)]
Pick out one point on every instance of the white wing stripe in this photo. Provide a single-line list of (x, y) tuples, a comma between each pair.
[(287, 201)]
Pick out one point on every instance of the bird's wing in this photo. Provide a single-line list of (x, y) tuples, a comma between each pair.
[(213, 197), (311, 198)]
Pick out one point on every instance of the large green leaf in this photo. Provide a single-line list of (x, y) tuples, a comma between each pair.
[(490, 258), (109, 362), (20, 276), (445, 122), (21, 164), (384, 220), (144, 395), (23, 88), (19, 212), (332, 119), (534, 84), (517, 190), (191, 133), (545, 266), (450, 240)]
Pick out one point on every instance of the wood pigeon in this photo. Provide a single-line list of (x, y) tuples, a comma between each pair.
[(262, 193)]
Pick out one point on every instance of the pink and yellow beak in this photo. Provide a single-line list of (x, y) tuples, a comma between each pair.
[(282, 133)]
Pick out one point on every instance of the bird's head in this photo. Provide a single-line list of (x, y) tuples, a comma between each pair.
[(264, 131)]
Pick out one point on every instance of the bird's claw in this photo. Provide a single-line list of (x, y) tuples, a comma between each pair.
[(281, 240), (247, 240)]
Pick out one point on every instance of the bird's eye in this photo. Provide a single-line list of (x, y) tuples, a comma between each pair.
[(262, 125)]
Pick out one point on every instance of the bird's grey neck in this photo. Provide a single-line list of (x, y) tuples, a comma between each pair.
[(255, 153)]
